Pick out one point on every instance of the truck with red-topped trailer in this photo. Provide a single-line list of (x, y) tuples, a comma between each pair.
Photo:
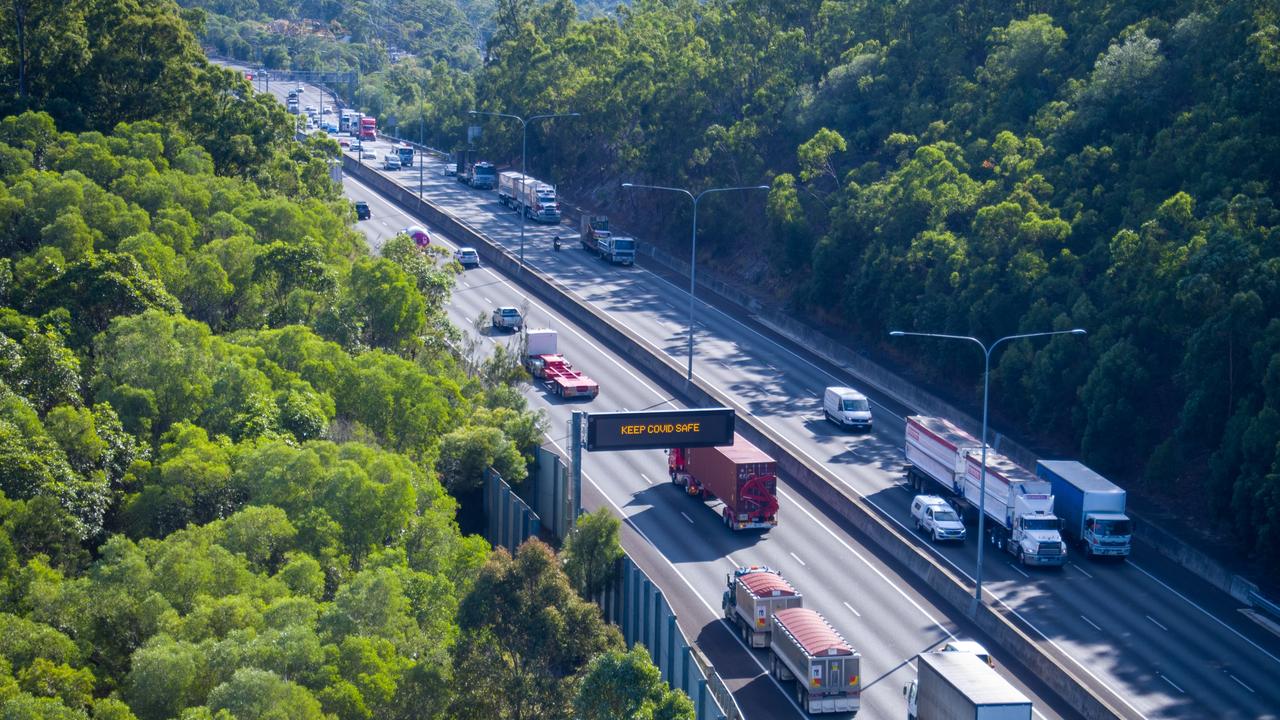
[(826, 669), (551, 368), (741, 476), (751, 597)]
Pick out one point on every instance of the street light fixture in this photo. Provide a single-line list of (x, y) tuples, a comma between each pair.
[(693, 252), (986, 385), (524, 140)]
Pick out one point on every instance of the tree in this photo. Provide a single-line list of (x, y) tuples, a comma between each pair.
[(628, 686), (260, 695), (525, 635), (465, 453), (592, 551)]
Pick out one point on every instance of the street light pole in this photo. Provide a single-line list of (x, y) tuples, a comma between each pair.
[(524, 143), (986, 386), (693, 246)]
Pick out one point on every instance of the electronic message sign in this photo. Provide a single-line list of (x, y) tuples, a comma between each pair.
[(698, 427)]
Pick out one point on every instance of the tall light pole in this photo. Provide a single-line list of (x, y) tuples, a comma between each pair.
[(986, 385), (693, 251), (524, 142)]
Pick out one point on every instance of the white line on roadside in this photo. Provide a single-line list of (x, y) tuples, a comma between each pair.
[(1082, 570), (646, 478), (686, 517), (1206, 612), (488, 301), (1246, 687), (1092, 623), (1157, 623), (797, 557), (855, 612), (1175, 685), (1019, 570)]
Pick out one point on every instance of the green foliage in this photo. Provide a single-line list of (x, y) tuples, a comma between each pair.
[(628, 686), (592, 551), (525, 635)]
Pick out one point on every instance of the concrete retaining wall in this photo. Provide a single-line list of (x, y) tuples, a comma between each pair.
[(1057, 672)]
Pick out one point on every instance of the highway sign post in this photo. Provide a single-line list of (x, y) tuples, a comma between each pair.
[(660, 429)]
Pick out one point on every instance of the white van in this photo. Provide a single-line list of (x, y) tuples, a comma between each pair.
[(846, 407)]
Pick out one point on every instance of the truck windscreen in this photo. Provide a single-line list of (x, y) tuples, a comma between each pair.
[(1113, 527), (1040, 523)]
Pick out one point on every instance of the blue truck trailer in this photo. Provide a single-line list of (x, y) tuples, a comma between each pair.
[(1091, 508)]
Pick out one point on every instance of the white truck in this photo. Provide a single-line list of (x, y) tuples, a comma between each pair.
[(597, 238), (1021, 507), (1091, 508), (960, 686), (752, 595), (805, 648), (529, 195)]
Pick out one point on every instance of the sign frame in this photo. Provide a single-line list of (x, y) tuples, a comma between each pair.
[(660, 429)]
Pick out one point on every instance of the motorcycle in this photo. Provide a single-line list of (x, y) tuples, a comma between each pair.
[(555, 244)]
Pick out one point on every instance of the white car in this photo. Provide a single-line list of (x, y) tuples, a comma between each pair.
[(934, 516), (971, 647), (467, 257), (508, 318)]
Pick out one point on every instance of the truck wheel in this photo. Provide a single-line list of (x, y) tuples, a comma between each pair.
[(801, 700), (727, 521)]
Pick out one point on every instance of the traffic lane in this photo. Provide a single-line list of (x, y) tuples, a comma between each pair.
[(835, 607)]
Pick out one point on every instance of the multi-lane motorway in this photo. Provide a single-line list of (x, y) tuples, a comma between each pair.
[(1163, 643)]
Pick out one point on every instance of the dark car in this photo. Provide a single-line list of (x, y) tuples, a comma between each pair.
[(362, 210)]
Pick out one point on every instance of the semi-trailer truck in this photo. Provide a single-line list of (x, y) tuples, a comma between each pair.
[(556, 373), (741, 475), (1091, 508), (1021, 508), (946, 461), (368, 128), (529, 195), (805, 648), (960, 686), (751, 596)]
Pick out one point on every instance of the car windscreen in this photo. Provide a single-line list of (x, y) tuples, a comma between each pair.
[(946, 515), (855, 405)]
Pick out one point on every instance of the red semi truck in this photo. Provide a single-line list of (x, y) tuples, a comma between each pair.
[(741, 475), (368, 128)]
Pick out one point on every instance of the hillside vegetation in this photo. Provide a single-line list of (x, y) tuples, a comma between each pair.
[(978, 168), (232, 441)]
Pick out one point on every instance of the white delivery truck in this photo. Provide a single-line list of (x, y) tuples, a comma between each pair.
[(960, 686), (753, 594)]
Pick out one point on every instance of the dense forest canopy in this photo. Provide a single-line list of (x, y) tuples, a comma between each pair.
[(234, 446), (973, 167)]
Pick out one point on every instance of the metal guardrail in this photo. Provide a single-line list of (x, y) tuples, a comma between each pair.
[(1259, 602)]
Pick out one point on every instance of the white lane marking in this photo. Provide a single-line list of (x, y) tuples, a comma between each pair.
[(1019, 570), (1157, 623), (488, 301), (718, 615), (1095, 625), (855, 612), (686, 517), (866, 562), (1206, 612), (1175, 685), (1082, 570), (464, 282), (797, 557), (1246, 687), (646, 478)]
